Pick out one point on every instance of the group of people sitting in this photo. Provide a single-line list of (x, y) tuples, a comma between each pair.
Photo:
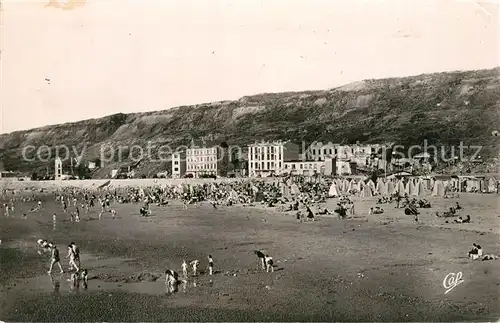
[(477, 253)]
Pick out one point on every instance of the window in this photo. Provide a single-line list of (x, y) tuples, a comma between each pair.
[(176, 169), (176, 162)]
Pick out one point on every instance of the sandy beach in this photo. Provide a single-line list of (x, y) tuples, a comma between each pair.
[(369, 268)]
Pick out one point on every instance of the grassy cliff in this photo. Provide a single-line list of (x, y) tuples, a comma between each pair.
[(442, 108)]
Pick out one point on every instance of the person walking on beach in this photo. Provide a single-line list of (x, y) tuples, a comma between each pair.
[(210, 265), (55, 259), (71, 256), (76, 252)]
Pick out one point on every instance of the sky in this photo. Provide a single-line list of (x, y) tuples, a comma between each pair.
[(70, 61)]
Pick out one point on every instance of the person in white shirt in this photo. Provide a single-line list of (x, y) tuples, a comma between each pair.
[(210, 265), (269, 264)]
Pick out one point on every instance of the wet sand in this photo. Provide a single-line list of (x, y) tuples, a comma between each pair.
[(370, 268)]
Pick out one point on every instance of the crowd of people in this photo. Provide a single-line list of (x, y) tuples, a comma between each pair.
[(310, 195)]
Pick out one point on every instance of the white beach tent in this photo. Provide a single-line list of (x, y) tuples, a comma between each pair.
[(399, 188), (285, 190), (333, 191), (366, 191), (438, 189), (407, 187), (412, 190), (382, 187), (345, 186), (295, 189), (492, 185), (390, 187), (420, 188), (351, 186), (371, 184)]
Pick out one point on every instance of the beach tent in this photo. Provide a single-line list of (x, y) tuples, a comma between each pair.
[(412, 190), (294, 189), (333, 191), (390, 187), (422, 189), (438, 189), (492, 185), (352, 185), (371, 184), (382, 188), (345, 185), (338, 182), (407, 187), (366, 191), (399, 188)]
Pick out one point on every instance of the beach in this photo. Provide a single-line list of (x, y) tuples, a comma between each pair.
[(369, 268)]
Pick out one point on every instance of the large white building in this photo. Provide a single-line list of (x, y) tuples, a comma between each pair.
[(178, 164), (361, 154), (305, 168), (202, 161), (268, 158)]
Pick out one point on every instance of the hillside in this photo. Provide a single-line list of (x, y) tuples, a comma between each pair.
[(444, 108)]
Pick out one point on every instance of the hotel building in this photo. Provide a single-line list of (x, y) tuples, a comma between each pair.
[(202, 161), (268, 158)]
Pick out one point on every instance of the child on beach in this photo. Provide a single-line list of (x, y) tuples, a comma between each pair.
[(269, 264), (195, 264), (184, 268), (210, 265), (113, 214)]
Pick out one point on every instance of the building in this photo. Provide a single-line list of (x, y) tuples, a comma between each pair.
[(268, 158), (335, 166), (179, 164), (203, 161), (305, 168), (363, 155)]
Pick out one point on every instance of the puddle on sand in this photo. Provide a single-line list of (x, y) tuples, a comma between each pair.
[(58, 284)]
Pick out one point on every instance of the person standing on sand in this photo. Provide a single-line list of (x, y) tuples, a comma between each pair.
[(210, 265), (77, 214), (269, 264), (195, 264), (55, 259)]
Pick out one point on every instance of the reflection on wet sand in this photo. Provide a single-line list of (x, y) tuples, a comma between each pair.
[(56, 286)]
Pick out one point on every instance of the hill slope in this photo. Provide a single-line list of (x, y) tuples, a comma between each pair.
[(443, 108)]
